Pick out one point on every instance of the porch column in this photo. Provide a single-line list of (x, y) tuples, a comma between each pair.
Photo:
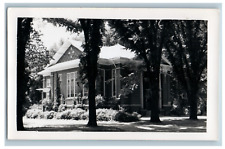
[(43, 86), (52, 86), (55, 87)]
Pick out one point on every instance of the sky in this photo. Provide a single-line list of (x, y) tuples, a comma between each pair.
[(51, 34)]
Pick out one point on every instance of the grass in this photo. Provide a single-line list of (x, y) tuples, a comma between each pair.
[(168, 124)]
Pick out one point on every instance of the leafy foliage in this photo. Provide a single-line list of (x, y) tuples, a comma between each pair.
[(71, 25), (33, 113), (62, 108), (47, 104), (130, 74), (106, 114), (145, 38), (122, 116), (187, 50), (36, 58), (74, 114)]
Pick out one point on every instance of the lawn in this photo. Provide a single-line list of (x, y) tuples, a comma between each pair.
[(168, 124)]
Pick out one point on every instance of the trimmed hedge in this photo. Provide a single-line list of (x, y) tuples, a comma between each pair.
[(106, 114), (33, 113), (80, 114)]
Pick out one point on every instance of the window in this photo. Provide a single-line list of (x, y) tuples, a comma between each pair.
[(60, 77), (48, 83), (100, 82), (114, 82), (85, 90), (72, 84), (77, 87)]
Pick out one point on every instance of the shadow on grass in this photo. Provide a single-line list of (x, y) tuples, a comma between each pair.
[(171, 125), (76, 128)]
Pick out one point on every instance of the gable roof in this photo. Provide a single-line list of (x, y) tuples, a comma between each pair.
[(64, 48), (107, 52)]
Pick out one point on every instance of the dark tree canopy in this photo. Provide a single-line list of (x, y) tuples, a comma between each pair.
[(145, 38), (71, 25), (187, 50)]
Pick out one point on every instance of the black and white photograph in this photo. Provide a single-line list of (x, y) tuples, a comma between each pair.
[(109, 75)]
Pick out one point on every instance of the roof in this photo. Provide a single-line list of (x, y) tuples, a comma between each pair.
[(64, 65), (63, 49), (115, 51), (45, 72), (108, 56)]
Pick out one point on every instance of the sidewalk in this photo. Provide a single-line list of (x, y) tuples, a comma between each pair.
[(168, 124)]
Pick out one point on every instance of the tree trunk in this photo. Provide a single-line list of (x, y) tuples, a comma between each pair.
[(193, 100), (154, 98), (91, 96), (22, 39)]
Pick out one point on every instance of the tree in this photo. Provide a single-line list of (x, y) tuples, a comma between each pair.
[(130, 77), (145, 38), (187, 50), (37, 57), (88, 61), (23, 35), (92, 29)]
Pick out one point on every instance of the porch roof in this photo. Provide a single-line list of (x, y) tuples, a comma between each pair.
[(45, 72), (64, 65), (115, 51), (75, 64)]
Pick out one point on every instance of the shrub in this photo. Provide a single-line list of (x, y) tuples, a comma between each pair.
[(64, 115), (84, 116), (47, 104), (58, 115), (78, 106), (62, 108), (55, 107), (49, 114), (122, 116), (42, 115), (36, 106), (76, 114), (105, 114), (99, 100), (33, 113)]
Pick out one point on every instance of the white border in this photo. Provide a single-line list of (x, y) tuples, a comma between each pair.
[(118, 13)]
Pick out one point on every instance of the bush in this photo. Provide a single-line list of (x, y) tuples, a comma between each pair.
[(105, 114), (80, 114), (49, 114), (55, 107), (76, 114), (109, 103), (78, 106), (33, 113), (64, 115), (62, 108), (47, 104), (122, 116), (84, 116), (36, 106), (99, 101)]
